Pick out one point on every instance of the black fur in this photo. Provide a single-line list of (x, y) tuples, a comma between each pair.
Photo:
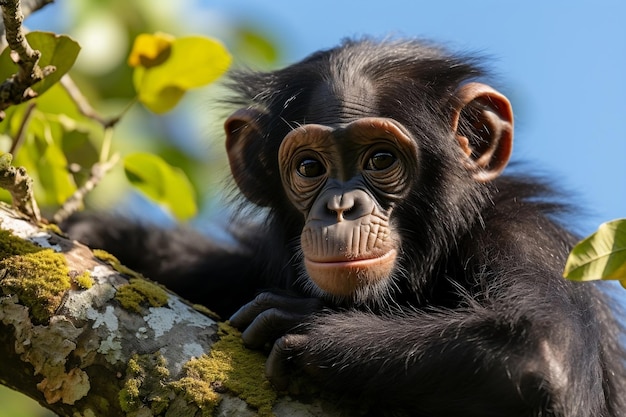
[(479, 321)]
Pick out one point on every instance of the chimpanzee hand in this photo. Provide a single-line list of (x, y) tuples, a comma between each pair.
[(277, 319)]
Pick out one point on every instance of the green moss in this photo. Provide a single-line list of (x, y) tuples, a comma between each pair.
[(140, 292), (247, 377), (129, 394), (11, 245), (133, 367), (39, 277), (199, 383), (160, 397), (111, 260), (160, 367), (54, 229), (84, 280), (207, 312), (145, 384), (229, 366)]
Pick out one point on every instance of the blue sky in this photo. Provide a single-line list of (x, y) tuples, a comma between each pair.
[(562, 64)]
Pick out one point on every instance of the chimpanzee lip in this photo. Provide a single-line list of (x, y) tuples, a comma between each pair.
[(353, 262)]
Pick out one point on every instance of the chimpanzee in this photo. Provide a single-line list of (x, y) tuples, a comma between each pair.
[(392, 263)]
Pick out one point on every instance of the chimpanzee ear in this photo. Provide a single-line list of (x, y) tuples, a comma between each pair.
[(243, 143), (483, 125)]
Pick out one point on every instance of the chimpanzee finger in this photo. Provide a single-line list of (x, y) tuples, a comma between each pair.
[(277, 368), (268, 326), (267, 300)]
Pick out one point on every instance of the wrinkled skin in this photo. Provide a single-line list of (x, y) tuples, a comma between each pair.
[(345, 182)]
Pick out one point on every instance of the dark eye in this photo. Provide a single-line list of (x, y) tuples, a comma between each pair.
[(380, 160), (311, 168)]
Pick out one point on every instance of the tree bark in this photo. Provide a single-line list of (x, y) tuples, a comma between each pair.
[(84, 336)]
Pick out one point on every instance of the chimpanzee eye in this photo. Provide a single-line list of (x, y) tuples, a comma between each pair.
[(311, 168), (380, 160)]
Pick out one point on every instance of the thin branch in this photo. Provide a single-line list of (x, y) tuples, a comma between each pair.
[(13, 17), (80, 100), (75, 201), (85, 108), (107, 141), (29, 7), (16, 89), (21, 133)]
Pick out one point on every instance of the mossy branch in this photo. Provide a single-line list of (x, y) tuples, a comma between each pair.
[(85, 336)]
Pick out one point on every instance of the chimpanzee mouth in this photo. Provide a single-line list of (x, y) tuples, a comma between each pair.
[(347, 276), (361, 261)]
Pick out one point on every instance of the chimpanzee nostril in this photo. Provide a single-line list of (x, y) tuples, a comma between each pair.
[(333, 205), (349, 206)]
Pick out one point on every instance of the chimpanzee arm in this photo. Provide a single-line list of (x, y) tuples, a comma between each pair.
[(501, 356)]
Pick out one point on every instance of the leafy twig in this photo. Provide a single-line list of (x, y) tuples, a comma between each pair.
[(17, 88)]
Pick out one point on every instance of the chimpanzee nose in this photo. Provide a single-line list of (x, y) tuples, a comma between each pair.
[(350, 205)]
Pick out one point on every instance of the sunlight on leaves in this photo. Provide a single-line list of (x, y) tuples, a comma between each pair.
[(161, 182), (165, 68), (601, 255)]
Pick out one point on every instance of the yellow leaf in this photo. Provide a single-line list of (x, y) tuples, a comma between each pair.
[(193, 61), (150, 50)]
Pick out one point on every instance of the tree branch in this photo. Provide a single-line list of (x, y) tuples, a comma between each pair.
[(85, 336), (75, 201)]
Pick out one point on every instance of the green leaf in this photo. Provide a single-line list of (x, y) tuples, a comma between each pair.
[(54, 175), (601, 255), (255, 45), (57, 50), (78, 147), (45, 161), (58, 101), (190, 62), (161, 182)]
